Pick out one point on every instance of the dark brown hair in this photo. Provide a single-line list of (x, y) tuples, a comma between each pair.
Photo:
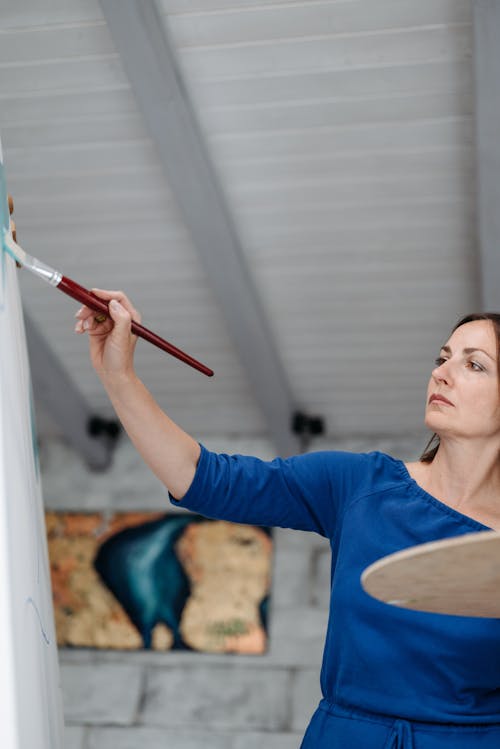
[(432, 446)]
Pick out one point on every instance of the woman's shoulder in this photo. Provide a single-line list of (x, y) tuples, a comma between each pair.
[(359, 472), (374, 458)]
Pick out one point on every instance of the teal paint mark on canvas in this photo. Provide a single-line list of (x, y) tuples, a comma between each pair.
[(4, 228), (4, 205)]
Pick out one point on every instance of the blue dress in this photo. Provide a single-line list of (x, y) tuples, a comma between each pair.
[(391, 678)]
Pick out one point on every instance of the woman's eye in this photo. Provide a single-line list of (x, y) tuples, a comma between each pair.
[(473, 365), (476, 367)]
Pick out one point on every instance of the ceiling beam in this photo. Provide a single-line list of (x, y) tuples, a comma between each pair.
[(487, 67), (149, 60), (53, 387)]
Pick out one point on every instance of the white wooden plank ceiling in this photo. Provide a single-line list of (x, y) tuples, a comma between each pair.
[(342, 133)]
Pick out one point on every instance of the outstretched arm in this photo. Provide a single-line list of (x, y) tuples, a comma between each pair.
[(304, 492), (167, 449)]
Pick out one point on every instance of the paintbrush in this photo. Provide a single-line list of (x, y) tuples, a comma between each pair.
[(74, 290)]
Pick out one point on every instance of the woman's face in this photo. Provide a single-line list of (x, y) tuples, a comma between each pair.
[(466, 375)]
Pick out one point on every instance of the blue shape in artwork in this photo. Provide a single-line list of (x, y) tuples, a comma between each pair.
[(264, 611), (140, 567)]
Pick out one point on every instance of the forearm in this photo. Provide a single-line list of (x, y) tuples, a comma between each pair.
[(169, 451)]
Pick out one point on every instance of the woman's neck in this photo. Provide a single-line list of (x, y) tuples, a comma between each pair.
[(466, 477)]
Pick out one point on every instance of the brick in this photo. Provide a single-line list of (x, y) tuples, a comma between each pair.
[(291, 578), (268, 741), (297, 636), (306, 694), (156, 738), (304, 622), (322, 565), (74, 737), (292, 652), (107, 693), (292, 540), (232, 697)]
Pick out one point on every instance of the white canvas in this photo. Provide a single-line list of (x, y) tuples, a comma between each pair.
[(30, 694)]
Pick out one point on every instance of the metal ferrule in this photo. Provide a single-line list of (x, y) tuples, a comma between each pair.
[(43, 271)]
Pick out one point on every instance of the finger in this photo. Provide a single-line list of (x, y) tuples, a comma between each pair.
[(121, 318), (84, 312), (91, 325), (83, 326), (13, 230), (99, 323), (121, 297), (109, 294), (11, 204)]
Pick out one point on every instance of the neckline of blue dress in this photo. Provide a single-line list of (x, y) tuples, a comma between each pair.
[(437, 502)]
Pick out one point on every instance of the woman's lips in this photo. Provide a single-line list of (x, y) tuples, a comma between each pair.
[(440, 399)]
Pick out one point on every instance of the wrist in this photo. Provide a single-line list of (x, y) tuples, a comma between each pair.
[(115, 381)]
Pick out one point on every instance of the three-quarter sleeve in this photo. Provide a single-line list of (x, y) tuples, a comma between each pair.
[(305, 492)]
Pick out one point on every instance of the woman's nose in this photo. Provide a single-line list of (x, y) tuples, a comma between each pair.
[(441, 373)]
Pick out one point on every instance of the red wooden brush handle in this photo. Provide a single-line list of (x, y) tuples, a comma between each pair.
[(74, 290)]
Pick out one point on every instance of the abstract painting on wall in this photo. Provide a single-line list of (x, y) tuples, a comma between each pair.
[(159, 581)]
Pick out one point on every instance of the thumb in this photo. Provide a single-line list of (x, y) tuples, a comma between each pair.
[(121, 318)]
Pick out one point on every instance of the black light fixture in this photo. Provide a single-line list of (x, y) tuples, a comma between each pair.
[(307, 427)]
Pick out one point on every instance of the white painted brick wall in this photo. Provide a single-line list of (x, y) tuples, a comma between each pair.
[(157, 738)]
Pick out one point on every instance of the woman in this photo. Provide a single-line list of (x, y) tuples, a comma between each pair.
[(391, 677)]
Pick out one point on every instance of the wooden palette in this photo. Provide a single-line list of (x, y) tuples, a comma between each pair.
[(458, 576)]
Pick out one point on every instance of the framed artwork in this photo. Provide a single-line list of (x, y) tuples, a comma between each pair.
[(142, 580)]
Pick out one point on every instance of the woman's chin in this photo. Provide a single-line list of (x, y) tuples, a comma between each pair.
[(434, 422)]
